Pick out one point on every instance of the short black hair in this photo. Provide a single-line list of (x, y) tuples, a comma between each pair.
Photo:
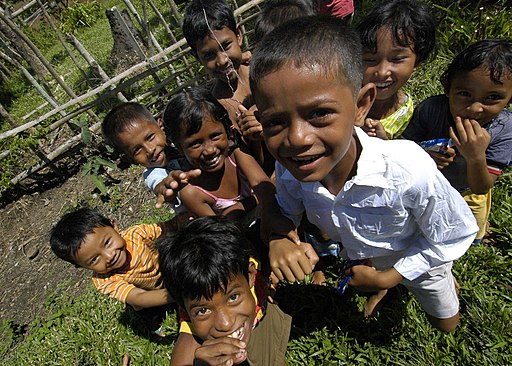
[(201, 258), (277, 12), (409, 21), (315, 41), (186, 112), (119, 118), (494, 55), (67, 235), (203, 16)]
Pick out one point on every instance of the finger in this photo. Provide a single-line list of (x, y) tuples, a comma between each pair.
[(460, 129), (159, 201), (311, 254), (277, 272), (454, 137), (194, 173), (289, 273)]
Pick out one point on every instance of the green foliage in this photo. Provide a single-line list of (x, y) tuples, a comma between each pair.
[(81, 14)]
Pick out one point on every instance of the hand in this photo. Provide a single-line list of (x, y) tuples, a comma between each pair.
[(369, 279), (246, 58), (374, 128), (220, 351), (291, 261), (276, 225), (443, 159), (249, 126), (169, 187), (471, 139)]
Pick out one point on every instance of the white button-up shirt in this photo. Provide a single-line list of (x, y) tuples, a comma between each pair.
[(397, 205)]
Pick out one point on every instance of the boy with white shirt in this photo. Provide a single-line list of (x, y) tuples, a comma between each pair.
[(384, 200)]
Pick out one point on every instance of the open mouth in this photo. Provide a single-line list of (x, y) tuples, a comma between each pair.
[(305, 160), (239, 333), (211, 162), (156, 158), (383, 85)]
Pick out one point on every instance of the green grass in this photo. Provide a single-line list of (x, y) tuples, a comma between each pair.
[(328, 329)]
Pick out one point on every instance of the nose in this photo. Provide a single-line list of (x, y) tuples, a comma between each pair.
[(222, 59), (109, 255), (382, 69), (209, 148), (224, 321), (475, 107), (299, 135)]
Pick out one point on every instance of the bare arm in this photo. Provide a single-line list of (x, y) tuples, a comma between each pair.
[(368, 279), (194, 201), (139, 298)]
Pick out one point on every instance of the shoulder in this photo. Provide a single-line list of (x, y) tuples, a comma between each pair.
[(142, 231)]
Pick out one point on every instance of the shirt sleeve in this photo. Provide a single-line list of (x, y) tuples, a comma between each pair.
[(447, 226), (113, 286), (291, 205), (153, 176)]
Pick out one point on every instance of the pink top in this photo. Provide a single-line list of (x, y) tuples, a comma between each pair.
[(244, 191), (337, 8)]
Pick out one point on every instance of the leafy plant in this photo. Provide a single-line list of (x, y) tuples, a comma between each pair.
[(81, 14)]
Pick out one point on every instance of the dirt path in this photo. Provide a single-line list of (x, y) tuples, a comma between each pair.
[(29, 271)]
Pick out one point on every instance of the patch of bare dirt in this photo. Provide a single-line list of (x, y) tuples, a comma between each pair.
[(29, 271)]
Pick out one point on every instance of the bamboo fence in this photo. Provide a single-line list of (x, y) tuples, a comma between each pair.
[(168, 70)]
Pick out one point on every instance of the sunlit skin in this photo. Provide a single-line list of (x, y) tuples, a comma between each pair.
[(208, 148), (103, 251), (223, 323), (475, 99), (474, 95), (388, 68), (220, 53), (309, 131), (144, 143)]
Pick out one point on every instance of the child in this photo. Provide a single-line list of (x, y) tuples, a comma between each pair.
[(397, 36), (133, 131), (226, 318), (478, 87), (215, 39), (384, 200), (124, 263), (201, 130)]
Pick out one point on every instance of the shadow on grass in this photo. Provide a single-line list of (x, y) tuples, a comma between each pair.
[(146, 322), (315, 307)]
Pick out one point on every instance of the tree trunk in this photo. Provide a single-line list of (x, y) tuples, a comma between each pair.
[(128, 48)]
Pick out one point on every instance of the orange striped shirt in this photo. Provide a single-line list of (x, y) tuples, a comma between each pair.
[(142, 272)]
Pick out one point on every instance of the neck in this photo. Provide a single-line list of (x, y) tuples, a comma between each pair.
[(346, 168), (385, 108)]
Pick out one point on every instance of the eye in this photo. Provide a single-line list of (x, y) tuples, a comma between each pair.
[(398, 59), (108, 242), (227, 45), (217, 136), (137, 151), (202, 311), (94, 260), (463, 93), (208, 56), (234, 297), (150, 137), (370, 60), (319, 113)]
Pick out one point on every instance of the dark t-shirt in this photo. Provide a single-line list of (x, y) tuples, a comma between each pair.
[(432, 120)]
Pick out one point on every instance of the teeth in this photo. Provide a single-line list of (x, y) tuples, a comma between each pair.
[(383, 85), (212, 161), (305, 160), (237, 333)]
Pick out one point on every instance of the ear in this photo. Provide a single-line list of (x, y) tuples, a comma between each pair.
[(252, 273), (239, 36), (160, 123), (364, 102)]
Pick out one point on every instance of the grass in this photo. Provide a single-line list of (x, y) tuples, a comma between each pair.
[(328, 329)]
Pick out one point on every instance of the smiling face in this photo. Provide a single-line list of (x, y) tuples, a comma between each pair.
[(220, 53), (308, 121), (390, 67), (474, 95), (144, 143), (208, 148), (103, 251), (229, 313)]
